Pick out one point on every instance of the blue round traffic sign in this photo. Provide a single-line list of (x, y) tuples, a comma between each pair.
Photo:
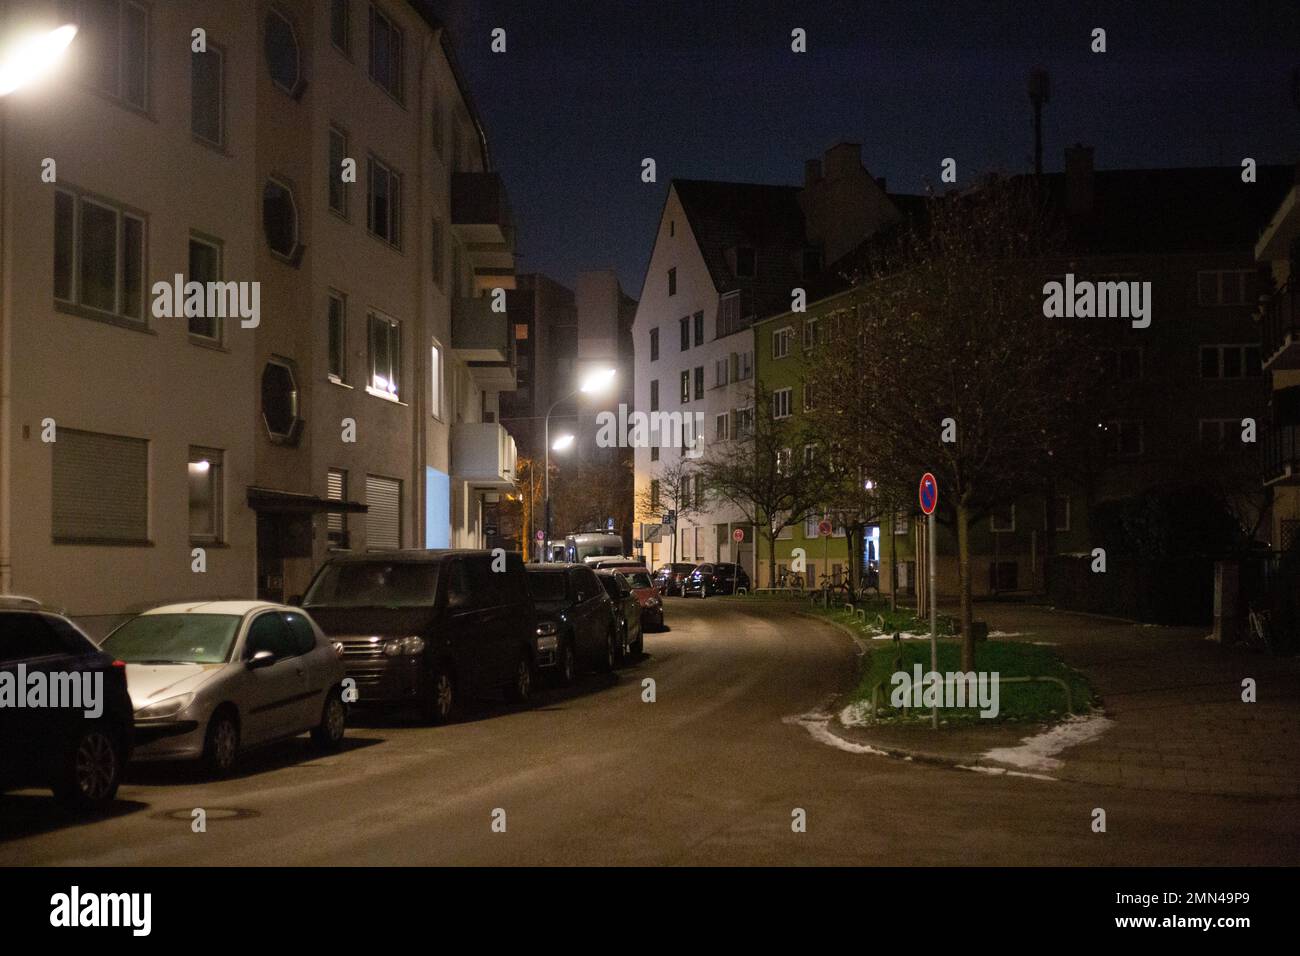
[(928, 493)]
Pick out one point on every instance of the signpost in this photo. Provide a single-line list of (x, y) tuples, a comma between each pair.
[(738, 535), (928, 493)]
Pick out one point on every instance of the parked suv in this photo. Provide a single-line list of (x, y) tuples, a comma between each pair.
[(715, 579), (575, 619), (428, 627), (669, 578), (79, 756)]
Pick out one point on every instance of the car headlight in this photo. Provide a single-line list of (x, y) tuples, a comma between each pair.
[(547, 629), (164, 708), (653, 602), (400, 646)]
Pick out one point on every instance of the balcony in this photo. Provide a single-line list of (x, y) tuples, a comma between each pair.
[(483, 454), (480, 217), (1280, 330), (477, 333), (1281, 448)]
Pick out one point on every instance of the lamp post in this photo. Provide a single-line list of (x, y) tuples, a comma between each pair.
[(594, 383)]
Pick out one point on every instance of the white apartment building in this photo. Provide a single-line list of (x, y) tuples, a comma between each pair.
[(359, 412)]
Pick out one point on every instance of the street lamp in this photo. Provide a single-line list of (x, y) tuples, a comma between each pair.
[(32, 56), (592, 383)]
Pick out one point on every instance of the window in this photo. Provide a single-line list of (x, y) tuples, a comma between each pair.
[(746, 262), (1003, 518), (809, 396), (809, 453), (205, 267), (684, 332), (699, 328), (654, 395), (744, 422), (781, 343), (340, 25), (384, 514), (338, 188), (336, 522), (338, 337), (721, 368), (207, 92), (386, 53), (811, 334), (781, 403), (672, 281), (1230, 361), (901, 524), (115, 35), (654, 494), (720, 429), (1122, 365), (281, 48), (99, 255), (1222, 286), (686, 386), (384, 192), (437, 257), (810, 527), (654, 452), (280, 219), (385, 336), (270, 633), (1061, 513), (1217, 435), (783, 461), (1124, 438), (205, 482), (654, 345), (280, 402), (435, 384), (744, 366), (699, 382), (730, 314), (100, 491), (684, 494)]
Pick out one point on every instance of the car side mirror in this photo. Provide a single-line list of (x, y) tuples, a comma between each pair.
[(261, 659)]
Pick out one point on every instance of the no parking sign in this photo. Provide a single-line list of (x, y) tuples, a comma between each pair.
[(928, 493)]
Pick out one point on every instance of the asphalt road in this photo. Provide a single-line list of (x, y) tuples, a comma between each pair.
[(709, 773)]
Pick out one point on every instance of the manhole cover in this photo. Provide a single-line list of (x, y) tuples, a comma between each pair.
[(214, 814)]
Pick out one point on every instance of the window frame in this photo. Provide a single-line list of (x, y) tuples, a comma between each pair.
[(74, 304), (395, 217), (295, 91), (399, 67), (218, 324), (781, 342), (782, 397), (219, 143), (216, 462), (993, 522), (346, 6), (394, 331), (437, 380), (340, 376), (335, 131), (293, 256)]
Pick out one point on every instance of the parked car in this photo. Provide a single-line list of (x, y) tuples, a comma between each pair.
[(627, 612), (715, 579), (575, 619), (619, 561), (652, 606), (79, 757), (430, 628), (669, 578), (210, 680)]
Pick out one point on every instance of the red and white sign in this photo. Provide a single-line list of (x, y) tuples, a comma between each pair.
[(738, 535), (541, 535), (824, 527), (928, 493)]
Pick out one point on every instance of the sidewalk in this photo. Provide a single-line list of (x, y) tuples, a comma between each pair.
[(1174, 701)]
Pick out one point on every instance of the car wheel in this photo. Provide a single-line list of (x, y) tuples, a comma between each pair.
[(90, 772), (638, 648), (221, 746), (620, 652), (520, 687), (328, 734), (439, 703), (605, 659), (568, 662)]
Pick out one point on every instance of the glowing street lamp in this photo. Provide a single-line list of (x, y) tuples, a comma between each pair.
[(561, 443), (593, 383), (31, 57)]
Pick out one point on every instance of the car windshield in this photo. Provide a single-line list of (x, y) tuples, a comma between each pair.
[(611, 585), (546, 585), (174, 639), (387, 584), (638, 579), (598, 550)]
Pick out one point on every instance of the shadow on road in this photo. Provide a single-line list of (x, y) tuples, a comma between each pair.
[(24, 814)]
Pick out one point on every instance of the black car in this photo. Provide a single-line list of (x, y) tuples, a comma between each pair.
[(429, 627), (626, 610), (716, 579), (575, 619), (78, 741), (670, 578)]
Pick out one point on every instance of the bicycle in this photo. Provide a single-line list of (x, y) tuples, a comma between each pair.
[(830, 585), (790, 580), (1259, 634)]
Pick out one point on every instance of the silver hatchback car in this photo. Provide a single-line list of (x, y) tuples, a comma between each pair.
[(208, 680)]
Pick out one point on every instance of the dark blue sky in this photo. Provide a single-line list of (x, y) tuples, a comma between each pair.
[(711, 90)]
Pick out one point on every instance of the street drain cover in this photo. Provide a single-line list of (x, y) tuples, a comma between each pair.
[(214, 814)]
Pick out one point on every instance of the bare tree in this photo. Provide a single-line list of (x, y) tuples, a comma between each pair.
[(672, 490), (768, 474)]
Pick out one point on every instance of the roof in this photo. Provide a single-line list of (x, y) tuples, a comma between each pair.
[(238, 608), (725, 215)]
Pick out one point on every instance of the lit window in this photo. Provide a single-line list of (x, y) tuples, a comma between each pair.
[(205, 484), (385, 356)]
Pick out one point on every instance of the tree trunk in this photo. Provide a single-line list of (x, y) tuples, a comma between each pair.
[(893, 566), (771, 558), (963, 574), (852, 541), (1049, 534)]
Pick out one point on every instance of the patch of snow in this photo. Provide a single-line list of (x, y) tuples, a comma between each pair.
[(1007, 633), (1038, 752), (856, 714), (1003, 771), (816, 725)]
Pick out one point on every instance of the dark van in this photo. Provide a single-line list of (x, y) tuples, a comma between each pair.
[(428, 627)]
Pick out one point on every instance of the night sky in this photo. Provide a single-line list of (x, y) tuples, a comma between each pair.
[(711, 90)]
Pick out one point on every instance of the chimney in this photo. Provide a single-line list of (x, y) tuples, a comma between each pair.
[(812, 172), (1078, 181), (843, 159)]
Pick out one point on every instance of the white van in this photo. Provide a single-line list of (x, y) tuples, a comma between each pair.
[(591, 547)]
